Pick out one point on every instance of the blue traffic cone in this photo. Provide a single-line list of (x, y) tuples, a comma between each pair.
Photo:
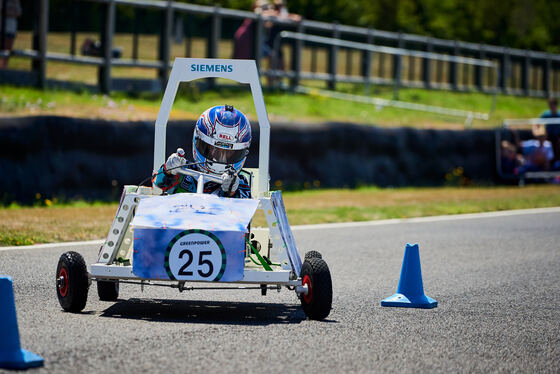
[(11, 354), (410, 293)]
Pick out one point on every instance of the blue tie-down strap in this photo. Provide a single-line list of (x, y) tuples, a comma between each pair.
[(189, 255)]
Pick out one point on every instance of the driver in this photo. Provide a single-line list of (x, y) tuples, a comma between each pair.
[(221, 140)]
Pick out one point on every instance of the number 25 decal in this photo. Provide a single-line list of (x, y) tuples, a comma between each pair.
[(195, 255), (201, 262)]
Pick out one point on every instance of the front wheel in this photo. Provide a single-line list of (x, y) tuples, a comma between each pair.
[(311, 254), (72, 282), (316, 276)]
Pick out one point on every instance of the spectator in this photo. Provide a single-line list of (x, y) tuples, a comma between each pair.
[(511, 160), (553, 129), (538, 153), (12, 12), (280, 12), (552, 111), (245, 34)]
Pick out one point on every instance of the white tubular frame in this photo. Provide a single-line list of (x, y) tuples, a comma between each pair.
[(241, 71)]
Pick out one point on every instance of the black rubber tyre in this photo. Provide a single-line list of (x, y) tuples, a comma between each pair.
[(72, 283), (108, 290), (317, 303), (312, 254)]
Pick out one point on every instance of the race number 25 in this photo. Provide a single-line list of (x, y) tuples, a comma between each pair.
[(195, 255), (201, 261)]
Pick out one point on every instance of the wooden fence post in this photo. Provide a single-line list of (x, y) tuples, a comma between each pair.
[(135, 33), (214, 40), (504, 70), (427, 66), (75, 14), (453, 68), (164, 44), (478, 72), (333, 57), (366, 63), (397, 68), (40, 32), (297, 48), (107, 31), (259, 41), (546, 75), (525, 76)]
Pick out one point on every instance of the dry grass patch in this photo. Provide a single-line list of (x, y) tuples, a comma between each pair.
[(22, 226), (54, 224), (376, 197)]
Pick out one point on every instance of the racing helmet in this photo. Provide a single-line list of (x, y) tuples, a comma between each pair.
[(221, 140)]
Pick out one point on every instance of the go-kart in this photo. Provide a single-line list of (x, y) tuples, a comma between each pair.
[(187, 239)]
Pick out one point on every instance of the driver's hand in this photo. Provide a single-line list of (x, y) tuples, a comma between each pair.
[(230, 183), (175, 161)]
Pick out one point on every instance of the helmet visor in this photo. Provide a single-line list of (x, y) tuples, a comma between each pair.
[(220, 155)]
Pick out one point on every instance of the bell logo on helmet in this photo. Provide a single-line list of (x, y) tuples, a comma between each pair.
[(225, 136)]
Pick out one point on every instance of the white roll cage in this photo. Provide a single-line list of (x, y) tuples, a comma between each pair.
[(241, 71)]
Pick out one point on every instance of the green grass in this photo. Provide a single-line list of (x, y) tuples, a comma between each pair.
[(52, 221), (22, 101)]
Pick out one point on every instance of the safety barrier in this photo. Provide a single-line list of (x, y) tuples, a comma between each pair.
[(93, 158)]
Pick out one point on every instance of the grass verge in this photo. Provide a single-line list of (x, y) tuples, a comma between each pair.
[(20, 101), (57, 223)]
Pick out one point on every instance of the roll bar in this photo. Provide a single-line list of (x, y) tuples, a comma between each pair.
[(241, 71)]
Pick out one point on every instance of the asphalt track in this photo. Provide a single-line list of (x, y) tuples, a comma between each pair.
[(496, 278)]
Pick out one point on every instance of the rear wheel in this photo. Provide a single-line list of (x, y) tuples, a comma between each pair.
[(316, 276), (72, 282), (312, 254), (108, 290)]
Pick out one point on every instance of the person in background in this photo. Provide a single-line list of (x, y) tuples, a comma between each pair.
[(279, 11), (245, 34), (511, 160), (12, 12), (538, 152), (553, 129)]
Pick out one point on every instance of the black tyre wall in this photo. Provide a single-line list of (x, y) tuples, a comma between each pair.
[(67, 157)]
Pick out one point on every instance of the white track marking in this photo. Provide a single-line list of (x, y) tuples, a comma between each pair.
[(342, 225), (452, 217), (54, 245)]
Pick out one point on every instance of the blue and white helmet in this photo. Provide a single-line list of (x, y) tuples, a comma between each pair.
[(221, 140)]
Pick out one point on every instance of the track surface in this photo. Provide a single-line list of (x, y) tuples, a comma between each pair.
[(497, 281)]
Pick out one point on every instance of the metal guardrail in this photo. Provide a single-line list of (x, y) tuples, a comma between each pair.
[(508, 123), (429, 56), (380, 103), (528, 62)]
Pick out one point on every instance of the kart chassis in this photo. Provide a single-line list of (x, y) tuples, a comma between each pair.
[(276, 241)]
